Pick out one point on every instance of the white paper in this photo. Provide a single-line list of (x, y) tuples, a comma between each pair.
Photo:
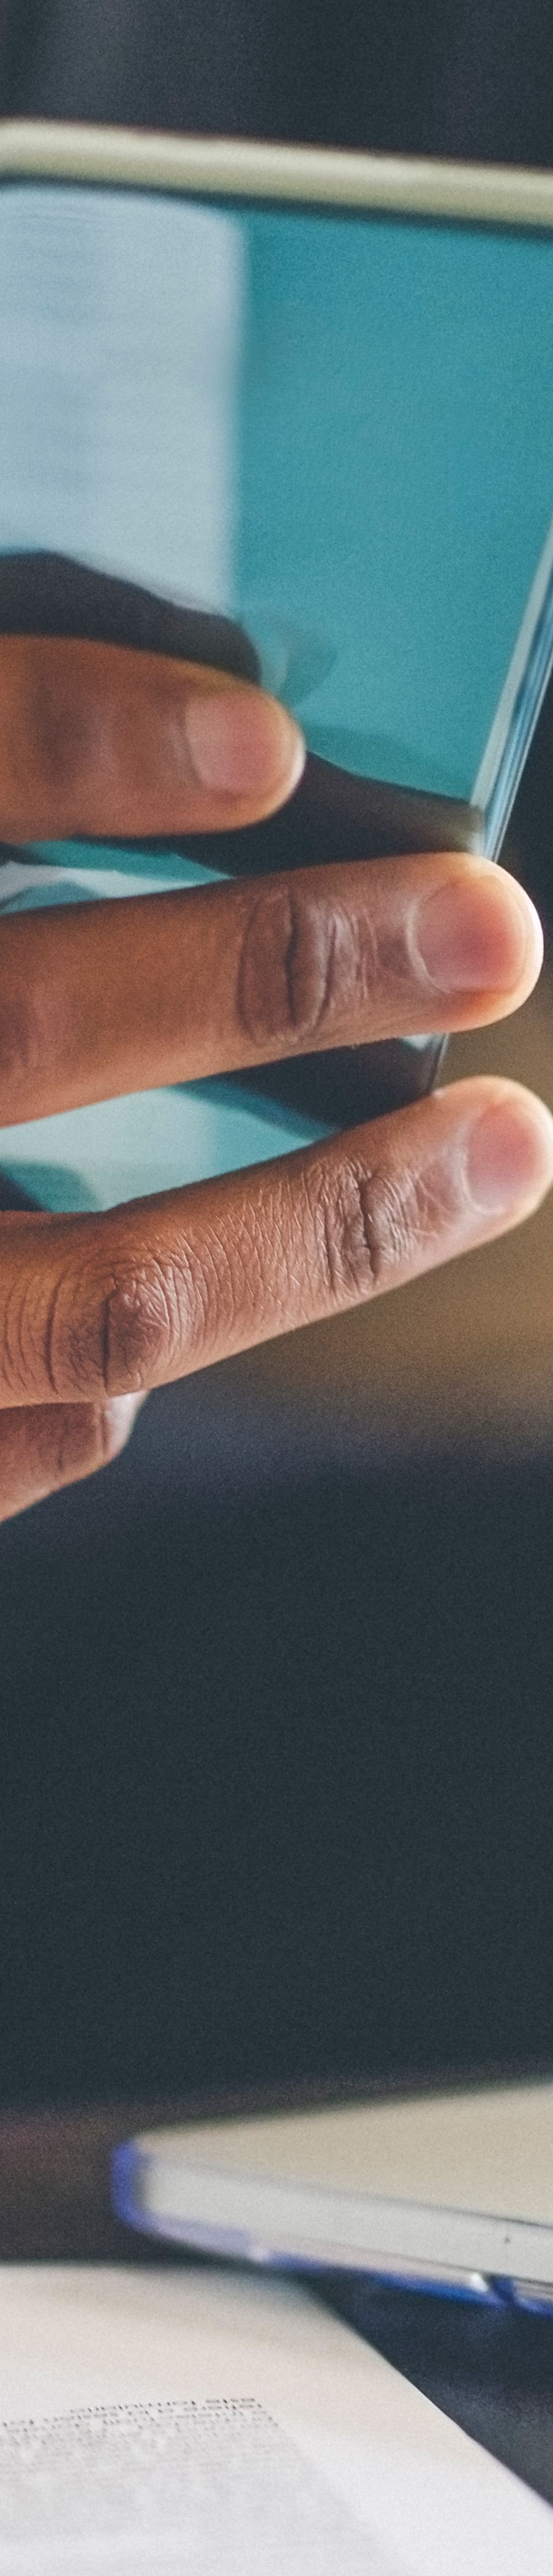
[(212, 2423), (196, 2486)]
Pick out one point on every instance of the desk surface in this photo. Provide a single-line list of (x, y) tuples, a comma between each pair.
[(491, 2370)]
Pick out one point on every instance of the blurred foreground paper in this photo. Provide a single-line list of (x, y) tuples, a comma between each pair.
[(222, 2425)]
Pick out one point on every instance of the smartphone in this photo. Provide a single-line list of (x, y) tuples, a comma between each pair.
[(290, 413)]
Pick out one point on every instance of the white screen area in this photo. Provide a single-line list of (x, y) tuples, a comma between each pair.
[(120, 334)]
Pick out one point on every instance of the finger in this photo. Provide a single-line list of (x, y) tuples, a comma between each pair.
[(103, 1306), (53, 1445), (95, 739), (100, 999)]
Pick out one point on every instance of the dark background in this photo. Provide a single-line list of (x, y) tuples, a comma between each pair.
[(277, 1769), (277, 1793), (468, 77)]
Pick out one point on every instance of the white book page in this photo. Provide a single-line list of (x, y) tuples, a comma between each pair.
[(221, 2424)]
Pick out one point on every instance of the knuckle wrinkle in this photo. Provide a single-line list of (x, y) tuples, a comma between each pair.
[(298, 967), (146, 1320), (348, 1245), (370, 1226)]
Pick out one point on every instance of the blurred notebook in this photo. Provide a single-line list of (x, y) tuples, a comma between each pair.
[(196, 2423)]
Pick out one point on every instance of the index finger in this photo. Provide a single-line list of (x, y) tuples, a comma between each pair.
[(96, 1307), (99, 741)]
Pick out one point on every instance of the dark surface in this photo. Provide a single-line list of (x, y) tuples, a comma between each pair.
[(450, 76), (491, 2370), (277, 1774)]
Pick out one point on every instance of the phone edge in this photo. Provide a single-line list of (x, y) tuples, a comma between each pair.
[(469, 192)]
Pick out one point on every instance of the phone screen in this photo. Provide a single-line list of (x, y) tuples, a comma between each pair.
[(333, 430)]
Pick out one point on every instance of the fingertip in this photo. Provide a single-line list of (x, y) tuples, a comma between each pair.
[(509, 1158), (516, 897), (479, 933), (243, 744)]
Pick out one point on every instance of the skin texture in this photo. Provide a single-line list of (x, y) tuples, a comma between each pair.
[(99, 1000)]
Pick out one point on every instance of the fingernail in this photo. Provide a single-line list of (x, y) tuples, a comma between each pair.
[(474, 935), (509, 1156), (241, 743)]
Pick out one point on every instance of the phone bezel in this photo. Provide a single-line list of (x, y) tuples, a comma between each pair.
[(457, 192)]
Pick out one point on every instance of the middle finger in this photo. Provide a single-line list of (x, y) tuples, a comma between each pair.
[(100, 999)]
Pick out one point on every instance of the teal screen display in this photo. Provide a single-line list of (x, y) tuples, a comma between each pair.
[(335, 429), (408, 520)]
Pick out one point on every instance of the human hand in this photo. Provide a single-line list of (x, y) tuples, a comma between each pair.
[(102, 999)]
